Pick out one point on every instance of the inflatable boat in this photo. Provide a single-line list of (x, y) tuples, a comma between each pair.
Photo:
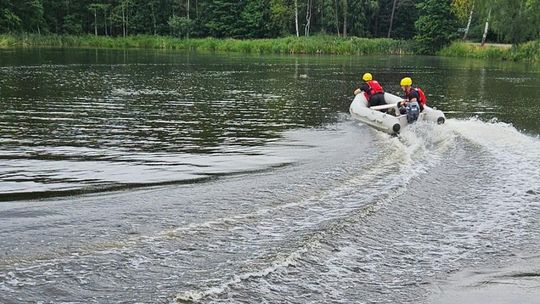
[(391, 124)]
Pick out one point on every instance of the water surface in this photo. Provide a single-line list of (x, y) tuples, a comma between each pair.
[(156, 176)]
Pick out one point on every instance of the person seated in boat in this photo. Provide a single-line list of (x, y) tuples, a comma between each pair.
[(373, 91), (414, 100)]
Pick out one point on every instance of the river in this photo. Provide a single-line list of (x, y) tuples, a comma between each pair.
[(155, 176)]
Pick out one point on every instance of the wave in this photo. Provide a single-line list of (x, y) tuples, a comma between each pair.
[(346, 185), (410, 156), (516, 155)]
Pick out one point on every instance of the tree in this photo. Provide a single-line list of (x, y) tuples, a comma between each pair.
[(308, 17), (345, 8), (436, 27), (405, 16), (72, 25), (22, 15), (462, 9), (296, 17), (280, 16), (361, 14), (325, 20), (533, 17), (8, 19), (94, 7), (486, 27), (392, 18), (510, 19), (220, 18), (180, 26)]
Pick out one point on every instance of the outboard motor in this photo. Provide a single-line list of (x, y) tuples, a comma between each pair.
[(413, 111)]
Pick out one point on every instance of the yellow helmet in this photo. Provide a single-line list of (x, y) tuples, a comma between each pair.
[(367, 77), (407, 81)]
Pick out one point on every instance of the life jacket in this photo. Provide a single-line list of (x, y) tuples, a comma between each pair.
[(421, 97), (375, 87)]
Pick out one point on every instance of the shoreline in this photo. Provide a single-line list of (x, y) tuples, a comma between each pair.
[(314, 45), (328, 45), (529, 51)]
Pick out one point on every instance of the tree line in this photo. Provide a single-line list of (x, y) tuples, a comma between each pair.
[(433, 22)]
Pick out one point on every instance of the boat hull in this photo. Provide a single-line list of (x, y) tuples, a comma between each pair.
[(386, 122)]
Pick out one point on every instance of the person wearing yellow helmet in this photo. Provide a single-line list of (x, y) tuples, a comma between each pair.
[(373, 91), (407, 81), (414, 99), (367, 77)]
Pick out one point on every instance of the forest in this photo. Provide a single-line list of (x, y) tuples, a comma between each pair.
[(433, 23)]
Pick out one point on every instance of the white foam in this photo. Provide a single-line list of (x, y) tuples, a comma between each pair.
[(277, 265), (514, 153), (4, 288), (498, 137)]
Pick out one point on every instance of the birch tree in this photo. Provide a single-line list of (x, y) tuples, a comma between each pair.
[(296, 17), (308, 17), (94, 7), (462, 9)]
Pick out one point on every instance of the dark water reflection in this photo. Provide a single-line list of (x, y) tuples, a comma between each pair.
[(106, 116), (191, 106)]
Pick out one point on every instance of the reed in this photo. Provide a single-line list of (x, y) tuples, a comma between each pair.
[(319, 44), (287, 45)]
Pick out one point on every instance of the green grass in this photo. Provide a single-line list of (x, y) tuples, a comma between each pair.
[(320, 44), (287, 45), (529, 51)]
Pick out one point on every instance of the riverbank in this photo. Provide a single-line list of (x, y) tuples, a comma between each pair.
[(529, 51), (288, 45), (321, 44)]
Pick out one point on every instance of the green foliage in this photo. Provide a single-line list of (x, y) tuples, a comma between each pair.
[(253, 19), (181, 26), (25, 15), (280, 16), (9, 20), (529, 51), (462, 8), (210, 18), (7, 41), (461, 49), (405, 17), (72, 25), (436, 27), (287, 45), (431, 22), (533, 12), (220, 18), (360, 15), (516, 20)]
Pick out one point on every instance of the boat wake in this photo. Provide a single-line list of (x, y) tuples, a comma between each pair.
[(357, 214), (434, 154)]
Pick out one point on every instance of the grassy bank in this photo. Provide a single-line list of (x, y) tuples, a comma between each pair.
[(529, 51), (288, 45)]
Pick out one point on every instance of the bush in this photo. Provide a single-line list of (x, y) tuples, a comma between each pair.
[(436, 27), (529, 51)]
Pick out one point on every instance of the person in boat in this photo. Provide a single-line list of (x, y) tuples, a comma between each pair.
[(414, 100), (372, 90)]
